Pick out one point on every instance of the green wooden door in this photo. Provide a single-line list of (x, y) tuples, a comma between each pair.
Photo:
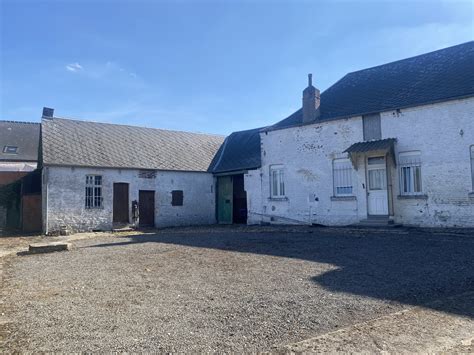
[(224, 199)]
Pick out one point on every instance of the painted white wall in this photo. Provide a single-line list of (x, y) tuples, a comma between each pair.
[(443, 133), (64, 197), (253, 188)]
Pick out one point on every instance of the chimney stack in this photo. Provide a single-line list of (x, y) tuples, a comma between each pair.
[(48, 113), (311, 102)]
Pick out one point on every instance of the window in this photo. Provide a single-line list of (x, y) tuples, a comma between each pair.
[(147, 174), (177, 198), (372, 127), (472, 166), (277, 181), (410, 173), (93, 191), (342, 173), (10, 149)]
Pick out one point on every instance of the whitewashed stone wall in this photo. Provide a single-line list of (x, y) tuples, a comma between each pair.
[(442, 132), (253, 188), (64, 197)]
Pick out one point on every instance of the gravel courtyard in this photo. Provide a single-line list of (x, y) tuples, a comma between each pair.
[(226, 289)]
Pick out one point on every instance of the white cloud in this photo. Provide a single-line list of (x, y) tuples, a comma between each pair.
[(74, 67)]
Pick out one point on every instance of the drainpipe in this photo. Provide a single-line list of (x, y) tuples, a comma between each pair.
[(45, 197)]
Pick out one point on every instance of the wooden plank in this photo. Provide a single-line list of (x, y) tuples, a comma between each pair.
[(120, 203), (146, 203)]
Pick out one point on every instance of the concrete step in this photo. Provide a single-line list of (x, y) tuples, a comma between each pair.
[(377, 222), (123, 229), (48, 247)]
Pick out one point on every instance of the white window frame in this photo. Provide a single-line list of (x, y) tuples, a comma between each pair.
[(342, 172), (409, 163), (277, 181), (472, 165), (94, 192)]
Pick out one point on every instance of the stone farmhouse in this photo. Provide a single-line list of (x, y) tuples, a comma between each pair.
[(99, 176), (388, 144)]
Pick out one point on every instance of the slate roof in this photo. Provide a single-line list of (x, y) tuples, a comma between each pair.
[(442, 75), (24, 135), (370, 146), (68, 142), (240, 150)]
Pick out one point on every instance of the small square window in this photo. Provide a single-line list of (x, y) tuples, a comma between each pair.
[(10, 149), (177, 198)]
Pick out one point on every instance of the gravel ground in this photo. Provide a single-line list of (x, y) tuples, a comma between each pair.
[(225, 289)]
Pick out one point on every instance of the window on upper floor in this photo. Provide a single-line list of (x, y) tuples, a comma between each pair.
[(277, 181), (342, 175), (372, 127), (94, 191), (10, 149), (410, 173)]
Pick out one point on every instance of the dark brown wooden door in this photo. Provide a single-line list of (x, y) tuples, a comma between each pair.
[(121, 203), (146, 207)]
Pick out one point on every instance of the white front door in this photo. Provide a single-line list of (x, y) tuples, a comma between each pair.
[(377, 186)]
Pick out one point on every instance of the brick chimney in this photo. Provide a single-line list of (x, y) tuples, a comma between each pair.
[(311, 102)]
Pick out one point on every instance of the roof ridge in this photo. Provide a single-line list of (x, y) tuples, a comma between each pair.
[(409, 58), (132, 126), (21, 122)]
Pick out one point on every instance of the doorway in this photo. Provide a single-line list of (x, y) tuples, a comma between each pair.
[(120, 203), (146, 206), (231, 199), (377, 193)]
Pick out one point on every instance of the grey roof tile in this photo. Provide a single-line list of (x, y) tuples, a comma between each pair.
[(432, 77), (24, 135), (240, 150), (80, 143)]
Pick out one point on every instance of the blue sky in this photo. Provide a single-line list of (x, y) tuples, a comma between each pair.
[(206, 66)]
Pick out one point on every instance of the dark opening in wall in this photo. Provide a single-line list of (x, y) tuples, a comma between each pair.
[(177, 198)]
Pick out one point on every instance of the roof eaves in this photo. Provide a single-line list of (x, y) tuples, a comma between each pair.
[(118, 167), (271, 128)]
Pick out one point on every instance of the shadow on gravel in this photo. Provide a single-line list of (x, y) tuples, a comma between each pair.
[(414, 268)]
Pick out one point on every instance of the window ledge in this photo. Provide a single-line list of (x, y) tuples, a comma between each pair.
[(412, 197), (343, 198), (278, 199)]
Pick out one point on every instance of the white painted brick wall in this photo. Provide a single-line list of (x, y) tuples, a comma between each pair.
[(64, 197), (253, 188), (307, 153), (446, 168)]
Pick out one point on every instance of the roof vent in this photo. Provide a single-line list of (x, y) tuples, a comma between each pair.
[(48, 113)]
